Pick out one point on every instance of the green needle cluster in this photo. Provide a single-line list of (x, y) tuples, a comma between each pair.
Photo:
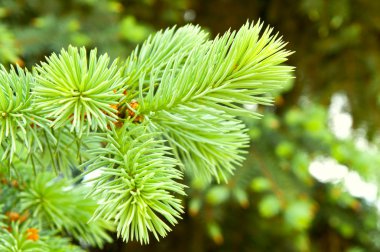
[(174, 106), (78, 90)]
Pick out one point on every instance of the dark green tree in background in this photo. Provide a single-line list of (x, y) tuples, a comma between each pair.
[(272, 203)]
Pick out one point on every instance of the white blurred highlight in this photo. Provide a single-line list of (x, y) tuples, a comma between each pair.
[(328, 169), (340, 121)]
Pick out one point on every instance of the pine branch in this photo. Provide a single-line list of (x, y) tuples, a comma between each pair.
[(211, 82), (237, 68), (136, 184), (177, 94), (18, 117), (73, 89)]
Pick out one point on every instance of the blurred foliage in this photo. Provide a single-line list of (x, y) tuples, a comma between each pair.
[(35, 28), (272, 203), (8, 48)]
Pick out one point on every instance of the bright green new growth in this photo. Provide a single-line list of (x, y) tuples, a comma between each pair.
[(173, 103), (17, 115), (136, 183), (72, 88)]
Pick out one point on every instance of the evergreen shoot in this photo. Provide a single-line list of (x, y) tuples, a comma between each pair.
[(90, 145)]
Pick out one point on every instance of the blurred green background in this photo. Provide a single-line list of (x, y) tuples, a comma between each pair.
[(310, 182)]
